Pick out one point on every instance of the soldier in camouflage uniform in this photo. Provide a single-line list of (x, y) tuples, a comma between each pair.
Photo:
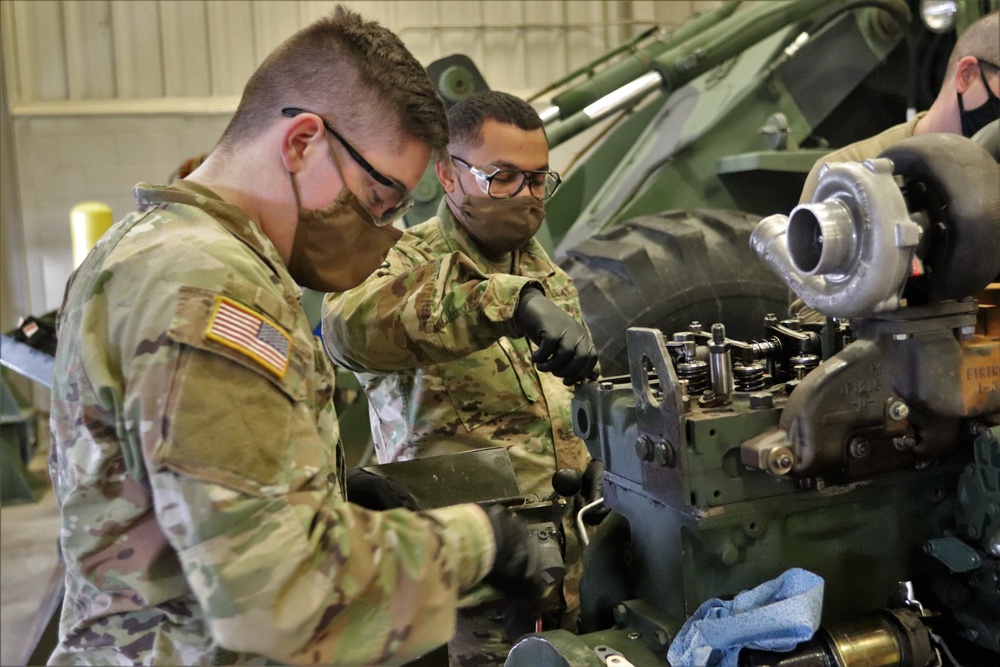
[(195, 451), (435, 338)]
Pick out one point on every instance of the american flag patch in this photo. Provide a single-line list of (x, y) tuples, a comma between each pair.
[(246, 331)]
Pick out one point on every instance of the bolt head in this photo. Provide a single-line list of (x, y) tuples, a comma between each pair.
[(621, 614), (760, 400), (780, 460), (644, 448), (859, 448), (994, 546), (664, 454), (898, 411)]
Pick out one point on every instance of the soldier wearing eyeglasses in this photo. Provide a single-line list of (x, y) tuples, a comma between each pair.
[(195, 448), (468, 335)]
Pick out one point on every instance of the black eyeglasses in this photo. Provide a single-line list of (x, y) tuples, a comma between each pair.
[(506, 183), (392, 199)]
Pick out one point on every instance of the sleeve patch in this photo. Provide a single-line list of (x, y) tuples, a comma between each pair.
[(250, 333)]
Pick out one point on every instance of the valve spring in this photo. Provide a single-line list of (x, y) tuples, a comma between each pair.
[(807, 361), (748, 378), (696, 373)]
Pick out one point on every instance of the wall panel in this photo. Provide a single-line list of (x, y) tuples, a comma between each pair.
[(67, 51), (273, 22), (507, 46), (187, 70), (138, 49), (232, 45), (39, 47), (91, 63)]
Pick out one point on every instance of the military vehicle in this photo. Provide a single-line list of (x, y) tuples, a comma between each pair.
[(706, 129), (865, 449), (738, 442)]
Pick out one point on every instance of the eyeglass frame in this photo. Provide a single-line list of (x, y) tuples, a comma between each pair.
[(481, 176), (406, 198)]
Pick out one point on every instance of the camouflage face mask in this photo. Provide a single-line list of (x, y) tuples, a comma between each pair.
[(338, 246), (501, 225)]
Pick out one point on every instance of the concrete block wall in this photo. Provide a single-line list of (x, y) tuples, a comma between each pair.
[(63, 161)]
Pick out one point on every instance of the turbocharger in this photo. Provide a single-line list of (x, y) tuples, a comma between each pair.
[(851, 250)]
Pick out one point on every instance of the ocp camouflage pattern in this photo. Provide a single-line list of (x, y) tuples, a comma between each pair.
[(431, 339), (200, 523)]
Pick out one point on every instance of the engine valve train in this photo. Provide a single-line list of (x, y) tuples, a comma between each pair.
[(864, 448)]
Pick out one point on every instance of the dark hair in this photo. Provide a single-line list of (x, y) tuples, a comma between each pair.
[(350, 71), (466, 118)]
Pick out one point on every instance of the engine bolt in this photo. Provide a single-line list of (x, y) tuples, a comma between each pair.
[(760, 400), (859, 448), (664, 454), (644, 448), (621, 614), (780, 460), (898, 410), (994, 545)]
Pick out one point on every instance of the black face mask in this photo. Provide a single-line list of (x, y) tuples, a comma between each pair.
[(976, 119)]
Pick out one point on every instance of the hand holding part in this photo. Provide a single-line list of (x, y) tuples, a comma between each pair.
[(564, 345), (516, 572), (376, 492)]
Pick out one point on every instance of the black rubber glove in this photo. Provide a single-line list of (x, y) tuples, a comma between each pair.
[(376, 492), (564, 345), (516, 572)]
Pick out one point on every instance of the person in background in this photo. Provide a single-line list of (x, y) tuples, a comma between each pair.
[(461, 337), (969, 99), (195, 450)]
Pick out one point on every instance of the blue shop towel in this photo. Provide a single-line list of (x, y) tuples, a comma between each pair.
[(775, 616)]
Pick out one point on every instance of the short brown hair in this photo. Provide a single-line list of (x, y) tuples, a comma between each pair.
[(981, 40), (347, 70)]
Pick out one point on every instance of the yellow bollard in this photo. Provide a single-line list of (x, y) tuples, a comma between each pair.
[(87, 222)]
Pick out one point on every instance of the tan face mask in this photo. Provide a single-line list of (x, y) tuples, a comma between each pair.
[(337, 247), (501, 225)]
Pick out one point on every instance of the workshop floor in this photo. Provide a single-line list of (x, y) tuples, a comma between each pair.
[(28, 559)]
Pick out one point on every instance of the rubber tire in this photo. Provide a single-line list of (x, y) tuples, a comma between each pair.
[(665, 270)]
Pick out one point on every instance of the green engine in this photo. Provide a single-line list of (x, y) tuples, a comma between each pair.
[(865, 449)]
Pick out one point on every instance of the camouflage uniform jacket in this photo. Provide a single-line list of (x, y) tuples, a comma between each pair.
[(431, 338), (191, 462)]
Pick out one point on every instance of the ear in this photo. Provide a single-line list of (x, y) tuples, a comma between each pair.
[(445, 170), (966, 73), (300, 139)]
